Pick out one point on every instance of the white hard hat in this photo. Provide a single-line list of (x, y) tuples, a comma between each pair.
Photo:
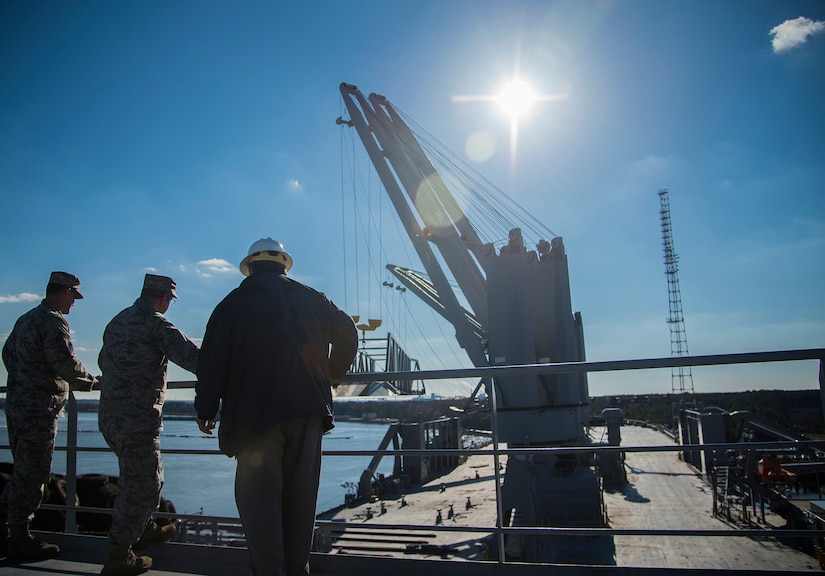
[(266, 249)]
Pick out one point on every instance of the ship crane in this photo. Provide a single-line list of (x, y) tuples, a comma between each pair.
[(518, 311)]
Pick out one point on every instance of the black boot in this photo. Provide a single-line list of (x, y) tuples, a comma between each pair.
[(23, 546), (121, 561)]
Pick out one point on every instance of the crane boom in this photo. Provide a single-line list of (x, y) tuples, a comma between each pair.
[(385, 138), (520, 312)]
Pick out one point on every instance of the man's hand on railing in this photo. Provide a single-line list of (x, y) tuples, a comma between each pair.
[(206, 426)]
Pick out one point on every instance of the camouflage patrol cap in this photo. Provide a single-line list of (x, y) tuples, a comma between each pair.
[(68, 280), (164, 283)]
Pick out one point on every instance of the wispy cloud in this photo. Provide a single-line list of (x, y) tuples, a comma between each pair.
[(22, 297), (793, 33), (294, 186), (643, 175), (215, 266)]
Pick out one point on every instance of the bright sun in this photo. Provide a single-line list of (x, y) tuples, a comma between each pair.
[(516, 98)]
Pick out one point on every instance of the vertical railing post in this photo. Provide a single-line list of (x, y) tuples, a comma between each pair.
[(497, 466), (71, 467), (822, 384)]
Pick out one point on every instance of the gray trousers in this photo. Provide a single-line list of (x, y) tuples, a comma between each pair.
[(276, 488)]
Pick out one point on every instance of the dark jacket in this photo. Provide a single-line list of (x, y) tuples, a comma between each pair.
[(266, 357)]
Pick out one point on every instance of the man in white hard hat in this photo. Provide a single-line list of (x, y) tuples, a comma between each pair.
[(266, 363)]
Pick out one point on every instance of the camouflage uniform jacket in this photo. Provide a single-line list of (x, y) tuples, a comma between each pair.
[(41, 362), (137, 346)]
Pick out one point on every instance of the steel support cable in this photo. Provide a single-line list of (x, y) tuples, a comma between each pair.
[(357, 221), (438, 321), (401, 234), (493, 223), (426, 339), (353, 166), (381, 192), (393, 315), (508, 216), (513, 208), (475, 181), (366, 234), (473, 204), (372, 270), (369, 242), (343, 213), (420, 331), (471, 175), (484, 216)]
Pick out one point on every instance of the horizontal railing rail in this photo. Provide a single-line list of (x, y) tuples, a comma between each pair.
[(595, 449), (578, 367), (492, 372)]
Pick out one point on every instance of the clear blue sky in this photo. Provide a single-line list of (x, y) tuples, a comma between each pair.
[(168, 136)]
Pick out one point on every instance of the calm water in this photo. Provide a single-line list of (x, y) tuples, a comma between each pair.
[(202, 481)]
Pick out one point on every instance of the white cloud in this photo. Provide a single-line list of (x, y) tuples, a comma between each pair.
[(793, 33), (642, 176), (649, 166), (215, 266), (294, 186), (22, 297)]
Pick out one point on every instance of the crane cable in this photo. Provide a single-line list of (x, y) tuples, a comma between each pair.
[(495, 212), (395, 310)]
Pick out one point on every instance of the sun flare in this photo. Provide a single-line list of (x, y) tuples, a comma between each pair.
[(516, 98)]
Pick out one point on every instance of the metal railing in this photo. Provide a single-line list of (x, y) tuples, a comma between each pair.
[(499, 530)]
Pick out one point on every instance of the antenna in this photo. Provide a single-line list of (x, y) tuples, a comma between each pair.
[(681, 377)]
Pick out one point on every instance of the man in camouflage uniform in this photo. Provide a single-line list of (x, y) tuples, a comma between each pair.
[(42, 368), (137, 345)]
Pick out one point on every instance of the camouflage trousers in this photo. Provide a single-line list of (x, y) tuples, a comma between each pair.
[(141, 475), (31, 438)]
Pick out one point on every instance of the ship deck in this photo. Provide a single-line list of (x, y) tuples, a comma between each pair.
[(662, 492)]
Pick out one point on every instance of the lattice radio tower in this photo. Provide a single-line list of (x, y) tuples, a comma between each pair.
[(681, 377)]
